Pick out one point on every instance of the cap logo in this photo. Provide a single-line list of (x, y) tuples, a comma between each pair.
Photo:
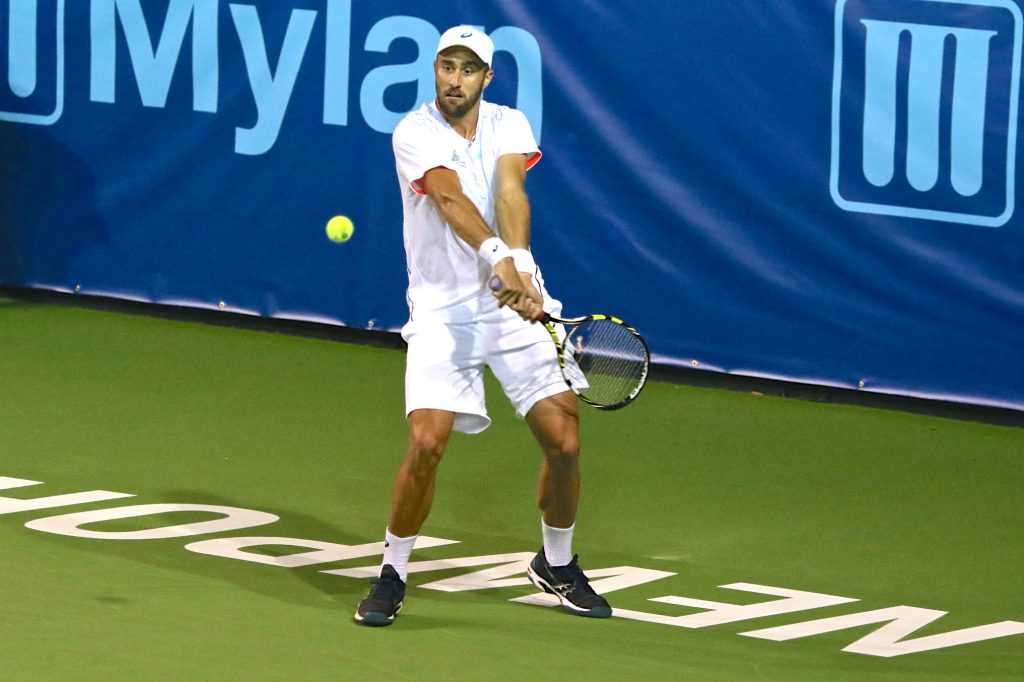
[(466, 35)]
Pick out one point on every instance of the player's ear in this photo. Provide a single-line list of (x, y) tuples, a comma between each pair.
[(488, 76)]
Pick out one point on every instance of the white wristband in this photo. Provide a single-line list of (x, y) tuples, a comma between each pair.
[(494, 250), (524, 261)]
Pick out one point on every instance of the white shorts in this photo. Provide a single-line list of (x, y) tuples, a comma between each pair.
[(445, 367)]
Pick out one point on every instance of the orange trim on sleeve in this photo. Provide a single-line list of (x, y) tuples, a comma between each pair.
[(416, 185)]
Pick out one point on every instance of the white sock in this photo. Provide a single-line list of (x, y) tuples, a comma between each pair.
[(396, 553), (557, 544)]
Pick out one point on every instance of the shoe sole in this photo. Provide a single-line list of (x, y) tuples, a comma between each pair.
[(540, 583), (377, 618)]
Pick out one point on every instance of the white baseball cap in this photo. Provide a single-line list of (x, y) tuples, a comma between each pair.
[(469, 37)]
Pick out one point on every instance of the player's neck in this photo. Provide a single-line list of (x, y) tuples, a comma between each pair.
[(466, 124)]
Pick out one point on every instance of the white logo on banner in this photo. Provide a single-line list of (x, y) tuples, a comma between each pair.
[(34, 91), (924, 110)]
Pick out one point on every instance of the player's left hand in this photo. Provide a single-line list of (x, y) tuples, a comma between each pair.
[(509, 287)]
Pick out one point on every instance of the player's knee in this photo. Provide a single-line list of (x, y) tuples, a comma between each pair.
[(563, 451), (425, 452)]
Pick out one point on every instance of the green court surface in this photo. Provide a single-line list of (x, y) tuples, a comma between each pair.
[(687, 491)]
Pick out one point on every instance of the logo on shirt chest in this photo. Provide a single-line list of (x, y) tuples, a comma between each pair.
[(465, 157)]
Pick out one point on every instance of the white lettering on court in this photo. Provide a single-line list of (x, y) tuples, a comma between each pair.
[(718, 613), (234, 518), (321, 552), (888, 641), (506, 570), (10, 505)]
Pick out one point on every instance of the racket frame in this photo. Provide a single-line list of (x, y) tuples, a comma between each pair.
[(549, 321)]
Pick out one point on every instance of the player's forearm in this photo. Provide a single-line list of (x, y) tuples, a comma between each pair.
[(464, 219), (512, 210)]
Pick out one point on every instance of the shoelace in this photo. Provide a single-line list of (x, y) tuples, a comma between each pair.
[(573, 578), (383, 588), (577, 580)]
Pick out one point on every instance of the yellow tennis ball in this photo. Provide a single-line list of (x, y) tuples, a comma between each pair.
[(340, 229)]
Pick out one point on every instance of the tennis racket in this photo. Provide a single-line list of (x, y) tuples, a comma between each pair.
[(603, 360)]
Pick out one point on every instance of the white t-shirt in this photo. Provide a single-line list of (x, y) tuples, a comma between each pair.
[(447, 279)]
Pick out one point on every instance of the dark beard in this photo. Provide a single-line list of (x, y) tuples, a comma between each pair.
[(456, 111)]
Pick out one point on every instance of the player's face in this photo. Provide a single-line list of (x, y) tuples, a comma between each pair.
[(460, 78)]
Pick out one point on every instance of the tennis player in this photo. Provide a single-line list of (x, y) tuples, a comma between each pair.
[(462, 166)]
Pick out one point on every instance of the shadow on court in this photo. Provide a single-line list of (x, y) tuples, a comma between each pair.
[(322, 591)]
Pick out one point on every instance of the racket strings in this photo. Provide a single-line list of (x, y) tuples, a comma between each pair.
[(612, 358)]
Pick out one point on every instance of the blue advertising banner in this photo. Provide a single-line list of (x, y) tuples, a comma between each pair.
[(822, 191)]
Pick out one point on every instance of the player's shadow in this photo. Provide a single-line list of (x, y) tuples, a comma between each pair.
[(264, 578), (328, 592), (325, 591)]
